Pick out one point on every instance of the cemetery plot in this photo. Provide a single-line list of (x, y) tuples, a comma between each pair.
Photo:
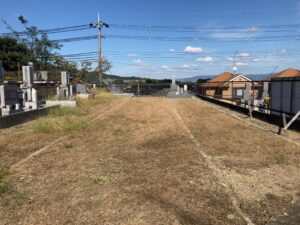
[(152, 161)]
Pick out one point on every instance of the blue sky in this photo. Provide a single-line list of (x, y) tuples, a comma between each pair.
[(162, 59)]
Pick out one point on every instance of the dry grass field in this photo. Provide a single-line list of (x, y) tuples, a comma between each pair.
[(144, 161)]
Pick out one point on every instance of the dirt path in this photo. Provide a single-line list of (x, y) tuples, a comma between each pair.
[(140, 164)]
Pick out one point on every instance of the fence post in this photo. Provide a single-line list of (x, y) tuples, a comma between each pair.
[(250, 109), (284, 119)]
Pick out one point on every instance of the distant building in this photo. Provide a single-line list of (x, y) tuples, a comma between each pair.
[(226, 86), (284, 74), (285, 91)]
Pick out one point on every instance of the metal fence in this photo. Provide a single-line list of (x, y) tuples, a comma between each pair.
[(277, 96), (45, 91), (52, 75), (144, 89)]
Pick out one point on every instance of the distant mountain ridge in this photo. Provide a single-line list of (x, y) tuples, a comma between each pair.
[(204, 77)]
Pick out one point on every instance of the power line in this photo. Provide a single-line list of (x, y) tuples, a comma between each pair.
[(185, 38), (53, 30), (138, 53), (248, 28)]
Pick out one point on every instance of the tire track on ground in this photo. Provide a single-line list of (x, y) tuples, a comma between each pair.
[(221, 176), (15, 166)]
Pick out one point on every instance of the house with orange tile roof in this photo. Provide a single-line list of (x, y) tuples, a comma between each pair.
[(226, 86), (285, 92), (284, 74)]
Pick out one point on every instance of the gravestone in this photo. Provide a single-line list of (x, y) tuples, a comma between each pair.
[(27, 75), (176, 91), (65, 79), (9, 99), (173, 87), (9, 95), (44, 75), (81, 89), (185, 88)]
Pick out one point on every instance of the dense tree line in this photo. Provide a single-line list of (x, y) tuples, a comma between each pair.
[(32, 45)]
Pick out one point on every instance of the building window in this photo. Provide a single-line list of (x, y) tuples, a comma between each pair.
[(238, 92)]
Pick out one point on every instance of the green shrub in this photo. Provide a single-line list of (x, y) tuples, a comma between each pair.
[(44, 127)]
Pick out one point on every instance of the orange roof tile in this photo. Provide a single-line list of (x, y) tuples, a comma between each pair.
[(285, 73), (223, 77)]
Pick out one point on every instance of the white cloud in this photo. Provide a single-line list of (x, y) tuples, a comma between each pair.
[(244, 54), (241, 64), (138, 62), (205, 59), (282, 52), (132, 55), (172, 50), (165, 67), (193, 50), (253, 29), (141, 64), (185, 66), (230, 59)]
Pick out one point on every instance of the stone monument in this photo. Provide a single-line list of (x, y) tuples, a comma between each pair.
[(176, 91)]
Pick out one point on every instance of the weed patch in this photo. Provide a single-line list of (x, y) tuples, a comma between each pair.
[(73, 126), (68, 145), (65, 111), (44, 127), (116, 131), (100, 179), (4, 186)]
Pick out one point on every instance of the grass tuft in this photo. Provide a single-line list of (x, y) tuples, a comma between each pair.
[(68, 145), (65, 111), (67, 120), (4, 185), (44, 127), (100, 179)]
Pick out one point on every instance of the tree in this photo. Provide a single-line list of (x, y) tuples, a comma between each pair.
[(33, 45), (106, 66), (89, 75), (39, 45), (59, 63), (86, 68), (12, 53), (43, 51)]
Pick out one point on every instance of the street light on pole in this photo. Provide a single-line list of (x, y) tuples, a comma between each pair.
[(99, 25)]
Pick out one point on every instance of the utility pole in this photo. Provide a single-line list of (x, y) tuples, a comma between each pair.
[(99, 50), (99, 25)]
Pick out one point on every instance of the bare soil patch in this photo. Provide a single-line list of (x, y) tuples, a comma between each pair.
[(137, 165)]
